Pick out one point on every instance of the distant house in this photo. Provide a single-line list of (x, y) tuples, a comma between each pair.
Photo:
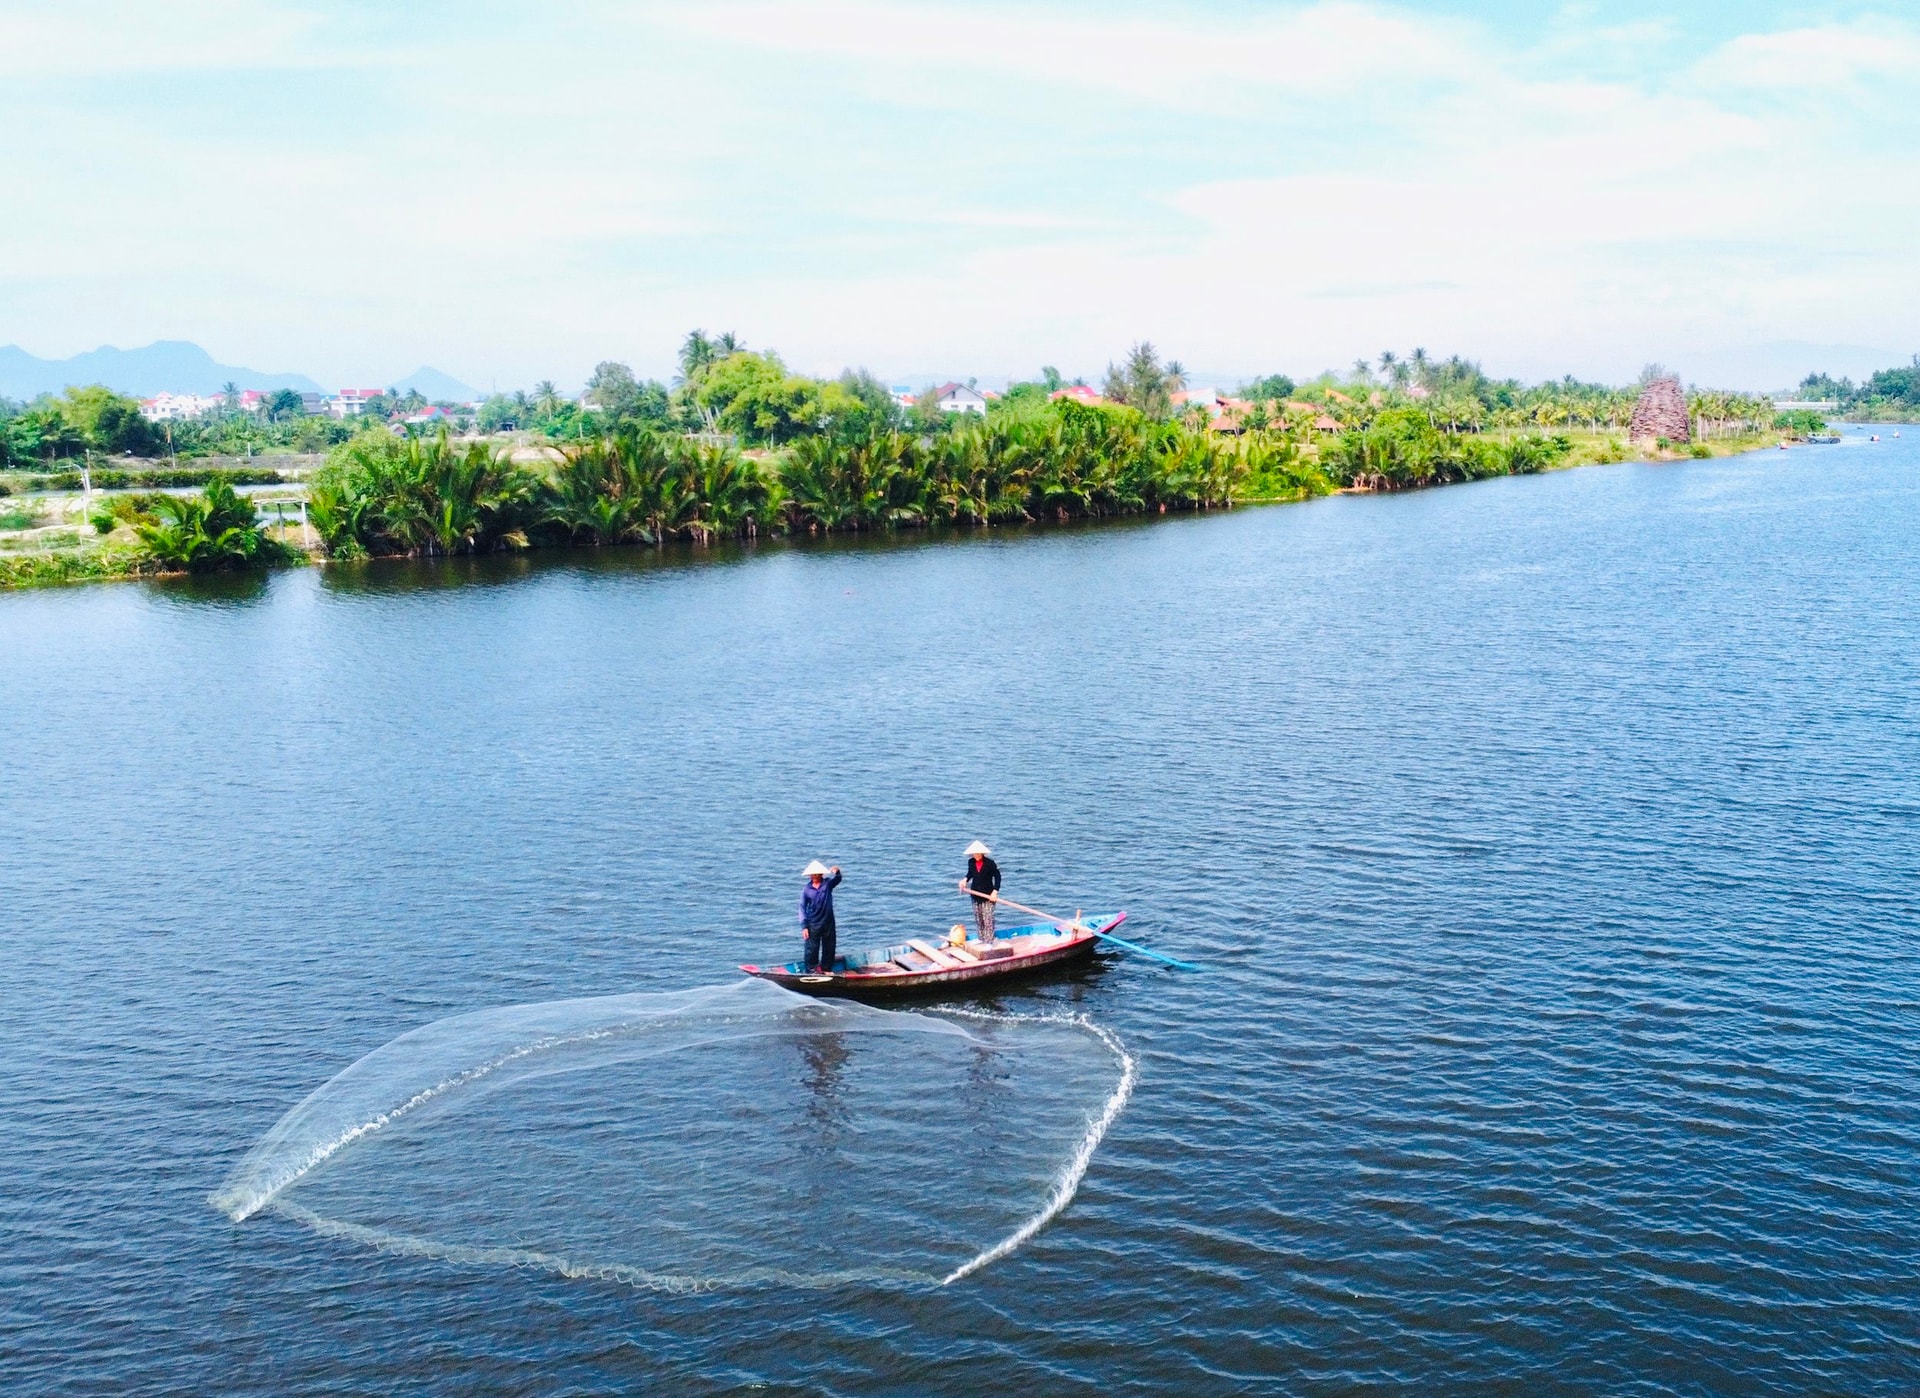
[(174, 407), (1321, 421), (351, 402), (1230, 414), (958, 398), (252, 400), (1077, 393)]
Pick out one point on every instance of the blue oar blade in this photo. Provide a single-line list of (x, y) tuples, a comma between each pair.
[(1157, 956)]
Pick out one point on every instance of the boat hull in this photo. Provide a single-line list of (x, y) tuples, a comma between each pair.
[(908, 969)]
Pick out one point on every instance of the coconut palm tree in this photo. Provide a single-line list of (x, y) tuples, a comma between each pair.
[(699, 352)]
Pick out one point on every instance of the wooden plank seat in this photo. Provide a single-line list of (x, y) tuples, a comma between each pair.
[(938, 955)]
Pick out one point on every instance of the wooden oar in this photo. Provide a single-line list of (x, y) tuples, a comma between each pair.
[(1106, 936)]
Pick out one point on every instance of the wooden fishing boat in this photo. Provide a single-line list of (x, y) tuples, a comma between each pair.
[(929, 964)]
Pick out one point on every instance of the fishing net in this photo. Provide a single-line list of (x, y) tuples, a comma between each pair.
[(730, 1135)]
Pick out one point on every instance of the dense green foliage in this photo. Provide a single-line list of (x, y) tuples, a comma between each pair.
[(1059, 461), (1802, 421), (50, 433), (385, 494), (202, 533), (1402, 447), (1273, 388), (50, 429), (1888, 395)]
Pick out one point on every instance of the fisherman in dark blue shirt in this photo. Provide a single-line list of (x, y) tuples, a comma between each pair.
[(816, 916)]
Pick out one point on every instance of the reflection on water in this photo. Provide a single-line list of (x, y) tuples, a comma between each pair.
[(233, 589), (401, 575), (825, 1056)]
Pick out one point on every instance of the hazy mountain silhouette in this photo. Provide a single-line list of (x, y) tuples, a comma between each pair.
[(165, 366), (434, 386)]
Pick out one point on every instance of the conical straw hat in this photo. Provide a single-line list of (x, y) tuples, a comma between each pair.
[(978, 848), (815, 868)]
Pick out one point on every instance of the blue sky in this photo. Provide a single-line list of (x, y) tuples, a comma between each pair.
[(950, 188)]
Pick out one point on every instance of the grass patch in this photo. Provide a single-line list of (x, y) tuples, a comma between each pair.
[(73, 565)]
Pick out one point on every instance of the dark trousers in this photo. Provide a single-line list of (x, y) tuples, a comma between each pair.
[(819, 955)]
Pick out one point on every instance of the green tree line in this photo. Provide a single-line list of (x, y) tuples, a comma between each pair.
[(51, 432), (1887, 395), (1456, 396)]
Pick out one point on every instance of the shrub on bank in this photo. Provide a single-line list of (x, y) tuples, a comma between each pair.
[(1401, 448), (214, 530), (73, 565)]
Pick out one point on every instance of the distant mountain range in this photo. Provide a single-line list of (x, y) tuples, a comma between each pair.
[(179, 366)]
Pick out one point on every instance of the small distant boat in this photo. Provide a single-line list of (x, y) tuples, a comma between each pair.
[(1823, 438), (929, 964)]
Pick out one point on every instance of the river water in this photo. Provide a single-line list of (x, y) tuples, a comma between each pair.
[(1549, 845)]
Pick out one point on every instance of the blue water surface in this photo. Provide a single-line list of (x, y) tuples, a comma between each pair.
[(1550, 845)]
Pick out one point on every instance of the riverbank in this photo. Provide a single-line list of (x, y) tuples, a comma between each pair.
[(62, 536)]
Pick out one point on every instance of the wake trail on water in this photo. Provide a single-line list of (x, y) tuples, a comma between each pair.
[(729, 1135)]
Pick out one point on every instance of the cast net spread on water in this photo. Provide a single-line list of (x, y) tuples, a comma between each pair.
[(729, 1135)]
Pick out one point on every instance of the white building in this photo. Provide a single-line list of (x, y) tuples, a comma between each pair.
[(174, 407), (350, 402), (958, 398)]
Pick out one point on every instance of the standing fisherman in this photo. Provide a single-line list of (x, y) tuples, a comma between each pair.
[(816, 917), (983, 882)]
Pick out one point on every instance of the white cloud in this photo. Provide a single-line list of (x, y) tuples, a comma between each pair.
[(911, 186), (1818, 58), (1183, 62), (95, 38)]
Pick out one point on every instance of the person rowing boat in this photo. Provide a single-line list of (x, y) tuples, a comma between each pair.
[(816, 918), (982, 880)]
